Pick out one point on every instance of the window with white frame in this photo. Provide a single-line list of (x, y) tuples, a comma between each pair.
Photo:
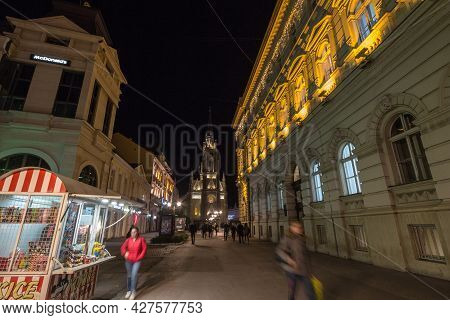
[(408, 150), (366, 18), (359, 238), (316, 179), (426, 242), (349, 169)]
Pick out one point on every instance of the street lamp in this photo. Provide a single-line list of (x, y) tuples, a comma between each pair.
[(179, 204)]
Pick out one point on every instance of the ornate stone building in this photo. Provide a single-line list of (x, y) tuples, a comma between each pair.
[(207, 194), (60, 87), (344, 124)]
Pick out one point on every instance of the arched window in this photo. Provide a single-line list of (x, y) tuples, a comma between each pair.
[(296, 174), (349, 169), (268, 200), (281, 196), (88, 176), (300, 92), (325, 62), (258, 199), (316, 181), (21, 160), (409, 153), (366, 18)]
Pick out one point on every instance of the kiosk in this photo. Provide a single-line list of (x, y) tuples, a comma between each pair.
[(51, 235)]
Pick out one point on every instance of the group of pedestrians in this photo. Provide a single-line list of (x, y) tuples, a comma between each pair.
[(242, 231), (206, 228)]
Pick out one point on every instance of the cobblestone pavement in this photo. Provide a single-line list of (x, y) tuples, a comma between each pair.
[(215, 269)]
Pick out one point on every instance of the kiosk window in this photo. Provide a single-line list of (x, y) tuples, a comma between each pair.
[(33, 249), (12, 208), (86, 220)]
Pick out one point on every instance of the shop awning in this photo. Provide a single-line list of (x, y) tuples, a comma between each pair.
[(38, 180)]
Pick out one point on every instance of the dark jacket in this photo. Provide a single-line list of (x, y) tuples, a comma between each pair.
[(192, 228), (294, 246)]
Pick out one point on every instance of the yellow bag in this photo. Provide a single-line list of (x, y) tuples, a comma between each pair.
[(318, 288)]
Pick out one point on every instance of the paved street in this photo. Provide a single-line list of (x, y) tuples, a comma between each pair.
[(215, 269)]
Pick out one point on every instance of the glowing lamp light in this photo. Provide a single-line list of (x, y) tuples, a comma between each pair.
[(105, 200), (179, 204)]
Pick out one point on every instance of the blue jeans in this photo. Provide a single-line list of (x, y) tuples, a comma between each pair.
[(293, 279), (132, 274)]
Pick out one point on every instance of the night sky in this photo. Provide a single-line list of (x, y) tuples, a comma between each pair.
[(179, 61)]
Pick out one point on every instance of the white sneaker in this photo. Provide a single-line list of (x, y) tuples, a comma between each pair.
[(127, 296), (133, 295)]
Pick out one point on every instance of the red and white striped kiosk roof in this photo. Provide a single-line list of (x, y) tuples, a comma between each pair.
[(38, 180), (32, 180)]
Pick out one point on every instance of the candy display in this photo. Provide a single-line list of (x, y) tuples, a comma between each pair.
[(11, 215)]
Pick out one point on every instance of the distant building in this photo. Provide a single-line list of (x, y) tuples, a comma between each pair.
[(155, 169), (233, 214), (207, 196)]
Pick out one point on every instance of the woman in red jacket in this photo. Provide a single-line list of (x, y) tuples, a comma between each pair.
[(133, 250)]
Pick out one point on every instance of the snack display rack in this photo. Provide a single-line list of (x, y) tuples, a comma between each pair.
[(51, 235)]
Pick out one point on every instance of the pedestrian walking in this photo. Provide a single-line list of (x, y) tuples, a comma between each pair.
[(226, 230), (133, 250), (294, 258), (193, 231), (204, 229), (240, 232), (216, 228), (233, 232), (247, 233), (210, 230)]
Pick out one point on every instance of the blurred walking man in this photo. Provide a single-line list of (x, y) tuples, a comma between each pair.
[(294, 259)]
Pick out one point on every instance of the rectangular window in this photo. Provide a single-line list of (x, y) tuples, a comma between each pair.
[(107, 119), (269, 234), (426, 243), (321, 234), (359, 238), (58, 41), (69, 90), (281, 232), (93, 106), (15, 79)]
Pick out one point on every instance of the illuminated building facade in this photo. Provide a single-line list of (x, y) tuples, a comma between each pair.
[(207, 195), (60, 87), (344, 125)]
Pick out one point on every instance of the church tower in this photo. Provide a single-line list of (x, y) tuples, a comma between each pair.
[(207, 193)]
